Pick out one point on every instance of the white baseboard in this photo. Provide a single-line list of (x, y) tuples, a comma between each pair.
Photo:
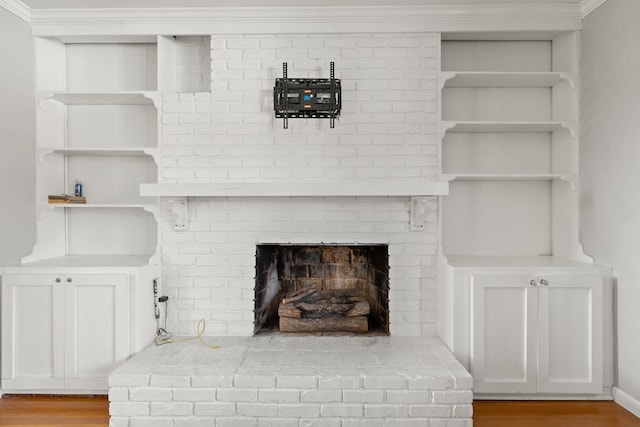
[(627, 401)]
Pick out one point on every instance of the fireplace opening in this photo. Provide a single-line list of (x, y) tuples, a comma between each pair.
[(322, 289)]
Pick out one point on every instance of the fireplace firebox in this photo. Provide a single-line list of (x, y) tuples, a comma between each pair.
[(322, 289)]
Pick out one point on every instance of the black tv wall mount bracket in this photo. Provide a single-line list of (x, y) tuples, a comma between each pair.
[(307, 98)]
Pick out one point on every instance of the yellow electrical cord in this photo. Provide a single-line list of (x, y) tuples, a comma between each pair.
[(199, 331)]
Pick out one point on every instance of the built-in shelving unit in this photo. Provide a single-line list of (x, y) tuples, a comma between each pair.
[(509, 114), (510, 229), (97, 124), (90, 275)]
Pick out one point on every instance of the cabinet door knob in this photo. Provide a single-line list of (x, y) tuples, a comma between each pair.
[(58, 280), (544, 282), (69, 280), (533, 282)]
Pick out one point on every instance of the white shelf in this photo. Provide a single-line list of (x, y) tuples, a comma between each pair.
[(87, 261), (103, 98), (100, 151), (146, 207), (302, 189), (502, 262), (473, 79), (505, 177), (499, 127)]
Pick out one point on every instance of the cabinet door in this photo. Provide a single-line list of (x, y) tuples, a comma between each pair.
[(503, 334), (97, 328), (570, 345), (32, 332)]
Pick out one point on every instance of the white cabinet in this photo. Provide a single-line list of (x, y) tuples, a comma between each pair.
[(528, 327), (63, 332), (534, 334), (503, 335)]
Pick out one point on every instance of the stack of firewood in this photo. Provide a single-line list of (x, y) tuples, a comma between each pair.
[(336, 310)]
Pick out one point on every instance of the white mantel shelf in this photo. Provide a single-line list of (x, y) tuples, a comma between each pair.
[(406, 188)]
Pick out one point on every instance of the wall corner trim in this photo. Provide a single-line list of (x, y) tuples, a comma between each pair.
[(589, 6), (627, 401), (18, 8)]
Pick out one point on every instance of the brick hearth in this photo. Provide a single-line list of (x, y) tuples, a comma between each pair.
[(287, 381)]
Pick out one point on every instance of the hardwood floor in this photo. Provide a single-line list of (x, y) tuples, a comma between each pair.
[(93, 411), (54, 411), (551, 414)]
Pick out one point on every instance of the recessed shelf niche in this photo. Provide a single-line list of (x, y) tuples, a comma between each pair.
[(186, 63)]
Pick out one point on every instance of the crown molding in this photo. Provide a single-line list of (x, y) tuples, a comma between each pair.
[(305, 20), (18, 8), (24, 12), (589, 6)]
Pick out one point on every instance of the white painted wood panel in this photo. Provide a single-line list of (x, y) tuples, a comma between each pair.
[(113, 231), (111, 126), (485, 152), (504, 334), (497, 218), (570, 335), (496, 104), (496, 55), (50, 67), (51, 130), (32, 332), (35, 330), (102, 185), (111, 66), (97, 327)]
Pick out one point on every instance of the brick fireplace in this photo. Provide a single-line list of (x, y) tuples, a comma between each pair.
[(385, 137), (387, 132)]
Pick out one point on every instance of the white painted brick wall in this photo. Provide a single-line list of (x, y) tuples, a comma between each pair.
[(387, 130)]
